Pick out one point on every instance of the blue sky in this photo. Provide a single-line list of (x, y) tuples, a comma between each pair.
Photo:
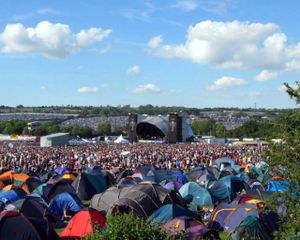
[(194, 53)]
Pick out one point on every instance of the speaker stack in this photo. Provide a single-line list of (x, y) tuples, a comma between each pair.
[(132, 122), (175, 128)]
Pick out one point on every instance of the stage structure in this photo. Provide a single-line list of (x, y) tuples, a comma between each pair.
[(170, 129)]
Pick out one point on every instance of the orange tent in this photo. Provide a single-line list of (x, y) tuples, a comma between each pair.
[(10, 187), (19, 178), (11, 180), (6, 178)]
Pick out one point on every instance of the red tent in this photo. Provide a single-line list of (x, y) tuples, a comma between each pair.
[(83, 223)]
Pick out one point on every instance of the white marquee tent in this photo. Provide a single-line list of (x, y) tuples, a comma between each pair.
[(121, 139)]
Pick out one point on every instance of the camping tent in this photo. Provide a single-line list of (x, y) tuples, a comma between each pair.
[(83, 223), (226, 217), (199, 196), (144, 198), (88, 184), (250, 228), (12, 195), (234, 183), (121, 139), (224, 162), (170, 211), (200, 174), (194, 228), (219, 192), (59, 187), (64, 201), (14, 225), (104, 201)]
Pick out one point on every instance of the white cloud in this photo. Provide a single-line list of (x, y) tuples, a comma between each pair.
[(134, 69), (234, 45), (266, 75), (105, 49), (186, 5), (85, 38), (148, 88), (46, 11), (155, 42), (87, 90), (282, 88), (226, 82), (43, 88), (48, 39)]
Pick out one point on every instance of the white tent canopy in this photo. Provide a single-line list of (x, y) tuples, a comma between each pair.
[(120, 139)]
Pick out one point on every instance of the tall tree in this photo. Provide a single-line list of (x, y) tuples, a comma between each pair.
[(285, 161)]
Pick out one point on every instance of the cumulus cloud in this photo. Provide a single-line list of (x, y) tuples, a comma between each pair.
[(282, 88), (148, 88), (86, 38), (266, 75), (48, 39), (134, 69), (155, 42), (186, 5), (226, 82), (87, 90), (234, 45)]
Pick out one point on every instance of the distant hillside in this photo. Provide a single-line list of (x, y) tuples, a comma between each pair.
[(90, 111)]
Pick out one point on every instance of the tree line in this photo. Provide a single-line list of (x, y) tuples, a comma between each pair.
[(20, 127), (254, 128)]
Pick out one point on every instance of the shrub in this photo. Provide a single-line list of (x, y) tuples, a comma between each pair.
[(128, 227)]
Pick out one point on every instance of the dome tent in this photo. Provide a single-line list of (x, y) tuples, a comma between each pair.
[(145, 198)]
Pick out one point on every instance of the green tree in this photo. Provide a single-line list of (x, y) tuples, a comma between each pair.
[(285, 160), (81, 131), (103, 129), (203, 127), (2, 127), (220, 130), (14, 127)]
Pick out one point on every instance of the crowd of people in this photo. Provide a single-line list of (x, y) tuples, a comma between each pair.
[(30, 158)]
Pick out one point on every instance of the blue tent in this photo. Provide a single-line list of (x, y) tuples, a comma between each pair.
[(200, 173), (234, 183), (244, 176), (179, 177), (12, 195), (170, 211), (278, 186), (219, 192), (64, 201), (237, 168), (195, 194), (226, 161)]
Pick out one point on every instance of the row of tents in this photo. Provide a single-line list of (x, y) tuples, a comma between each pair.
[(204, 201)]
